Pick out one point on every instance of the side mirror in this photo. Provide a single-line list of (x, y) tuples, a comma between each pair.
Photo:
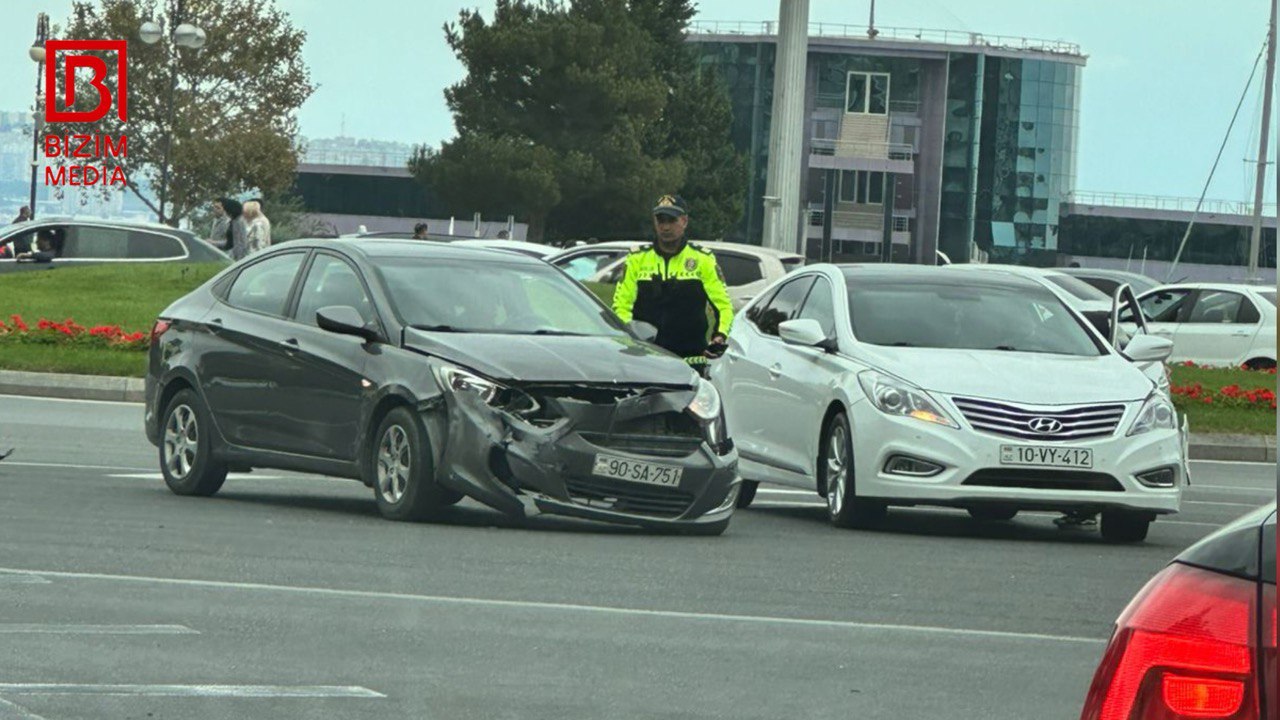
[(345, 320), (806, 333), (644, 330), (1148, 348)]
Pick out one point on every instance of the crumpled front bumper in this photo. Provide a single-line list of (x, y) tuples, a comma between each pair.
[(525, 469)]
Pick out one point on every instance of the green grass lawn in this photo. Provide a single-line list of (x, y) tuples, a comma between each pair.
[(129, 295), (1222, 419)]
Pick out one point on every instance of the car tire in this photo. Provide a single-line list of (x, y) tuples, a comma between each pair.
[(747, 493), (707, 529), (1124, 527), (836, 475), (186, 459), (1260, 364), (403, 471), (992, 514)]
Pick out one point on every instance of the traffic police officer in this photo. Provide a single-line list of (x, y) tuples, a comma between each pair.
[(669, 285)]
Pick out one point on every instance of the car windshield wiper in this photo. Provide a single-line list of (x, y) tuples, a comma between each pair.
[(438, 328), (550, 331), (1006, 348)]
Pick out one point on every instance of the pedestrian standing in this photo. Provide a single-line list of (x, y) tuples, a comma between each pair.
[(221, 224), (23, 215), (237, 229), (258, 236)]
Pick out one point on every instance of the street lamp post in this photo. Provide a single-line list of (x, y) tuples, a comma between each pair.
[(185, 35), (37, 54)]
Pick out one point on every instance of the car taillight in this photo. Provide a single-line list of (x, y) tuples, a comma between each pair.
[(1183, 648), (159, 329)]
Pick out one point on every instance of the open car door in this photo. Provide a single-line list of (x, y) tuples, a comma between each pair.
[(1125, 304)]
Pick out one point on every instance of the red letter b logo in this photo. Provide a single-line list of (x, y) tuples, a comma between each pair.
[(74, 61)]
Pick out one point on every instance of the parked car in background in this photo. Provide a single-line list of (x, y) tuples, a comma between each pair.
[(1214, 323), (747, 269), (880, 385), (537, 250), (430, 376), (1108, 281), (1199, 641), (76, 242)]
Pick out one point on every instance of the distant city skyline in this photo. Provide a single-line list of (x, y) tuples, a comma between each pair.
[(1159, 88)]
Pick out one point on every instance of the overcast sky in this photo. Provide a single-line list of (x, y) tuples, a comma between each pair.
[(1162, 80)]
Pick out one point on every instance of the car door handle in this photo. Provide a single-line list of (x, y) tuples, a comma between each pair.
[(290, 346), (1241, 333), (775, 370)]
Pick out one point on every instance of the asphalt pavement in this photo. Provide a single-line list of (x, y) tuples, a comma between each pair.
[(287, 596)]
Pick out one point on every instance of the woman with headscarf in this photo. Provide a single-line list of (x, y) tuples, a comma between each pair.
[(218, 233)]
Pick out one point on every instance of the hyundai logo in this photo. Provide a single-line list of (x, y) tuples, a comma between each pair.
[(1044, 425)]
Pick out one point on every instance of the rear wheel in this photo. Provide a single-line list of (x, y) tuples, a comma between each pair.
[(1124, 527), (185, 447), (992, 514), (403, 470), (1260, 364), (747, 493), (836, 474)]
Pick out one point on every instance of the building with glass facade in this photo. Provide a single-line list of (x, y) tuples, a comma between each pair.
[(918, 141)]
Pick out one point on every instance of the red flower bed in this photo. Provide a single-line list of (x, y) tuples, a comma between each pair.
[(69, 332), (1189, 364), (1229, 396)]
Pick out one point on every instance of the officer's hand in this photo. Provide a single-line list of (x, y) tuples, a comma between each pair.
[(719, 343)]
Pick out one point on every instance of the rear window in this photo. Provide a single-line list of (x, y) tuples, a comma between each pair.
[(739, 269), (791, 264)]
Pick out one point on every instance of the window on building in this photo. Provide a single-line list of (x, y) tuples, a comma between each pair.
[(848, 186), (867, 93), (875, 188)]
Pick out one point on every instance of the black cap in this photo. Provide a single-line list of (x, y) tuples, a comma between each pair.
[(673, 205)]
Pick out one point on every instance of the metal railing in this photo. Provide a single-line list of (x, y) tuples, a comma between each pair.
[(835, 101), (375, 158), (882, 150), (943, 37), (861, 220), (1160, 202)]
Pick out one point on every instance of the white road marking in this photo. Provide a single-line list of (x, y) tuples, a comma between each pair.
[(232, 476), (237, 691), (786, 491), (787, 503), (21, 579), (10, 711), (41, 398), (49, 629), (561, 607), (783, 504), (1230, 504), (70, 466)]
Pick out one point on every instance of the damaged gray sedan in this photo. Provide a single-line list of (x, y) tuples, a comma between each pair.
[(431, 373)]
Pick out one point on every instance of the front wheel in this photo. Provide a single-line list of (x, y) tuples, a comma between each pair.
[(403, 470), (836, 474), (186, 458)]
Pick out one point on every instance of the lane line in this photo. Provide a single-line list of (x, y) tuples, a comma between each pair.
[(563, 607), (232, 476), (1230, 504), (15, 579), (47, 629), (767, 504), (12, 711), (235, 691), (70, 466)]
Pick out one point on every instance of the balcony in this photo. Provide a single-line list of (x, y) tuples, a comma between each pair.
[(892, 34), (865, 224)]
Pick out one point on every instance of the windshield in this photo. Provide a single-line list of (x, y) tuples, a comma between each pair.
[(493, 297), (969, 317), (1077, 287)]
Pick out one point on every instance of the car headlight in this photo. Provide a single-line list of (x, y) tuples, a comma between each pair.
[(457, 380), (706, 402), (898, 397), (1157, 413)]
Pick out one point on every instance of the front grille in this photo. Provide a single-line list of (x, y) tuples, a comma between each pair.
[(1036, 479), (1077, 423), (668, 434), (628, 497)]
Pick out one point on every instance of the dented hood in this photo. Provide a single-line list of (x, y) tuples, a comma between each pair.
[(555, 358)]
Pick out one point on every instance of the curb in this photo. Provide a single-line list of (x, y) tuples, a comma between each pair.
[(72, 387), (1233, 448)]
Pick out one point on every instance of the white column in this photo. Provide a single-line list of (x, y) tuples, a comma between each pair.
[(788, 125)]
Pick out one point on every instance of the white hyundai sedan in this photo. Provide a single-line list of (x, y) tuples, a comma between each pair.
[(883, 385)]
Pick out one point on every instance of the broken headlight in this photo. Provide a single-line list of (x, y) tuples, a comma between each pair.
[(457, 380), (706, 402)]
